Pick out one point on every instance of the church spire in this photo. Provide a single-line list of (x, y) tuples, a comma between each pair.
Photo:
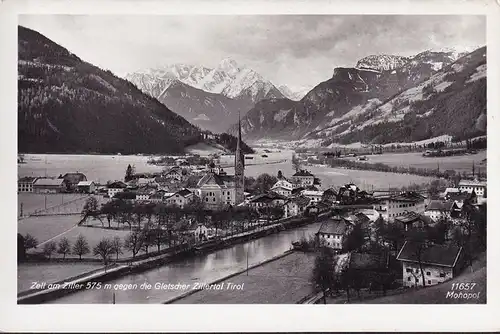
[(239, 168)]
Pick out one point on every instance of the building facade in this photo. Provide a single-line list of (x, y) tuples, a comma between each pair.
[(478, 187), (49, 186), (393, 206), (25, 184), (283, 187)]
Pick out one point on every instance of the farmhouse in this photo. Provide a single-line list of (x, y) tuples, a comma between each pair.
[(438, 210), (88, 187), (333, 231), (266, 200), (412, 220), (314, 196), (116, 187), (71, 180), (25, 184), (295, 206), (439, 263), (181, 198), (48, 186)]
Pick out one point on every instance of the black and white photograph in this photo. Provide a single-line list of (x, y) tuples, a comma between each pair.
[(320, 159), (251, 158)]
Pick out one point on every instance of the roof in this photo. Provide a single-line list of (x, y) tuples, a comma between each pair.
[(407, 197), (221, 180), (460, 196), (451, 190), (49, 182), (312, 193), (184, 192), (85, 183), (440, 205), (303, 173), (469, 183), (192, 181), (74, 177), (300, 200), (117, 184), (411, 217), (335, 225), (267, 197), (442, 255), (28, 179)]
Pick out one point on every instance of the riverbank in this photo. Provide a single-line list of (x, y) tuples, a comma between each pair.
[(143, 265), (284, 279)]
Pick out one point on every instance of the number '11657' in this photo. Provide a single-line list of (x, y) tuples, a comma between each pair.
[(463, 286)]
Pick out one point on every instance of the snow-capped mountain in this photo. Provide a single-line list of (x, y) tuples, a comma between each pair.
[(210, 98), (382, 62), (294, 96), (227, 78)]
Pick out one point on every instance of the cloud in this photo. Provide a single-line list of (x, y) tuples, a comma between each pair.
[(296, 50)]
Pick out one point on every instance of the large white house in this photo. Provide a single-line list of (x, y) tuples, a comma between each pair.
[(439, 263), (393, 206), (283, 187), (333, 231), (180, 198), (302, 178), (295, 206)]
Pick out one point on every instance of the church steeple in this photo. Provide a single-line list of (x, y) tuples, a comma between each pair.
[(239, 168)]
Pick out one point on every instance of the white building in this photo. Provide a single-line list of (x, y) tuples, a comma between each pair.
[(438, 210), (116, 187), (25, 184), (333, 231), (302, 178), (314, 195), (180, 198), (393, 206), (439, 263), (283, 187), (295, 206), (88, 187), (478, 187)]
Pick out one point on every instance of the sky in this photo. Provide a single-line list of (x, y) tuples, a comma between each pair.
[(299, 51)]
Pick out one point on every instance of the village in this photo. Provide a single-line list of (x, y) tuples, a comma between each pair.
[(407, 238)]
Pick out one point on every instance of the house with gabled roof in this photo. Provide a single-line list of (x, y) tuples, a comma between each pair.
[(266, 200), (302, 178), (181, 198), (25, 184), (439, 263), (71, 180), (395, 205), (295, 206), (333, 231), (49, 186), (116, 187), (283, 187), (413, 220), (437, 210)]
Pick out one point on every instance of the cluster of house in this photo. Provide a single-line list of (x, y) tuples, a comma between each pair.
[(69, 182), (412, 210)]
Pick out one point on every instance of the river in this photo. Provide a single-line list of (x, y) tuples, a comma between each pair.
[(198, 269)]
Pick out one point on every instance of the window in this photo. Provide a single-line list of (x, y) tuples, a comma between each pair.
[(429, 282), (428, 273), (442, 275), (409, 279), (416, 280), (206, 199), (408, 270)]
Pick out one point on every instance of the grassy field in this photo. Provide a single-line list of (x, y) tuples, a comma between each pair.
[(49, 273), (283, 281), (36, 202), (459, 163)]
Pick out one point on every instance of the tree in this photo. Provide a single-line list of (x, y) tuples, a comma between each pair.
[(90, 209), (64, 247), (30, 241), (133, 242), (49, 248), (129, 173), (81, 246), (104, 249), (420, 239), (117, 245), (355, 239), (264, 183), (323, 275), (280, 175)]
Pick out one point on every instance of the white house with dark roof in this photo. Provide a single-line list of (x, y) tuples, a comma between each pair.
[(88, 187), (438, 210), (439, 263), (283, 187), (479, 187), (333, 231), (393, 206), (181, 198), (295, 206), (116, 187), (302, 178), (314, 195)]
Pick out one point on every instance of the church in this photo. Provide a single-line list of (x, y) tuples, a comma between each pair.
[(217, 188)]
